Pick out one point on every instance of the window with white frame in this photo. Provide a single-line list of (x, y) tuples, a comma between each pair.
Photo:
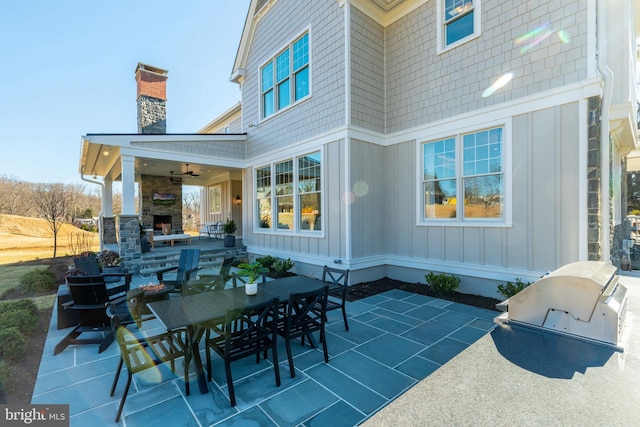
[(292, 197), (215, 199), (463, 177), (284, 79), (459, 20)]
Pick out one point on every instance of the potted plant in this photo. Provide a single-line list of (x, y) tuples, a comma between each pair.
[(229, 229), (252, 272), (110, 262)]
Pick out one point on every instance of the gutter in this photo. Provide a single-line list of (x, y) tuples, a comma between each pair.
[(91, 181), (607, 90)]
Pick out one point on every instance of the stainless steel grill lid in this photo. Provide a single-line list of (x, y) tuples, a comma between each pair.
[(584, 300)]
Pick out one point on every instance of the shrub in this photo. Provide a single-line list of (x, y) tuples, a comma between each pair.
[(267, 261), (6, 372), (509, 289), (442, 284), (12, 344), (282, 266), (21, 314), (39, 280)]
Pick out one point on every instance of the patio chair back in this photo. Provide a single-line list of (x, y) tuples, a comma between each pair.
[(140, 354), (306, 313), (247, 331), (188, 263), (338, 281), (88, 264)]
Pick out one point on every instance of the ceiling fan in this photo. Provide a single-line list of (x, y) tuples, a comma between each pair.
[(174, 179), (188, 172)]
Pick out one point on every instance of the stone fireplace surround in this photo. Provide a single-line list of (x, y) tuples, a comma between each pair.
[(149, 212)]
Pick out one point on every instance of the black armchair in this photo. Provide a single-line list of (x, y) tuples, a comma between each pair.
[(187, 265)]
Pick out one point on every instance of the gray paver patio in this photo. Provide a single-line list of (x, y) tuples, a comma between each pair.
[(396, 339)]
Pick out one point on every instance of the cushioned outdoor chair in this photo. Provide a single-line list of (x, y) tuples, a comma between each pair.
[(245, 332), (305, 314), (338, 281), (139, 354), (90, 299), (187, 265)]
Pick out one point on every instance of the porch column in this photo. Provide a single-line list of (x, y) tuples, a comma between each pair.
[(128, 185), (108, 226)]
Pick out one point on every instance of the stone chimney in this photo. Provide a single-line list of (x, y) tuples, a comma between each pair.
[(151, 99)]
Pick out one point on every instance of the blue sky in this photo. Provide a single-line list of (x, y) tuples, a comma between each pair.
[(68, 70)]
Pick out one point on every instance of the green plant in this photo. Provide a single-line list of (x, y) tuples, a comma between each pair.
[(442, 284), (267, 261), (229, 227), (282, 266), (6, 374), (39, 280), (12, 343), (109, 258), (509, 289), (252, 271), (20, 314)]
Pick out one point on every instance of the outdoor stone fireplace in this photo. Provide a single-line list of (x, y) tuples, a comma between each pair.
[(160, 202)]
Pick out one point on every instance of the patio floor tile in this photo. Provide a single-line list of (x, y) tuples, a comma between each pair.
[(298, 403), (389, 349), (418, 367), (429, 332), (444, 350), (360, 397), (339, 414)]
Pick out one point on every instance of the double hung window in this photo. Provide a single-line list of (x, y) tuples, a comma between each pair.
[(463, 177), (292, 197), (459, 21), (284, 79)]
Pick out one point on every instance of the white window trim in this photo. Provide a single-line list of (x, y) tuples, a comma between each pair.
[(273, 57), (440, 37), (459, 221), (297, 231)]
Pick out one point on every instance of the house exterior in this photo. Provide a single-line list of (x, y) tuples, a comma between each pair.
[(481, 138)]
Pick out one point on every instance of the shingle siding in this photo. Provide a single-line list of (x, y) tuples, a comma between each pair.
[(423, 86)]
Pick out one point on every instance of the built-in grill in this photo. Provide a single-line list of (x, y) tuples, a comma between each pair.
[(584, 300)]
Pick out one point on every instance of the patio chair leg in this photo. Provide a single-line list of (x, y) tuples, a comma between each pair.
[(232, 393), (115, 380), (344, 315), (124, 396), (106, 342), (66, 341), (292, 370)]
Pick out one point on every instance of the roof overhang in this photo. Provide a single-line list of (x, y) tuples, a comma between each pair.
[(163, 155)]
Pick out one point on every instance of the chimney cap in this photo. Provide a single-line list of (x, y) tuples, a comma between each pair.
[(151, 69)]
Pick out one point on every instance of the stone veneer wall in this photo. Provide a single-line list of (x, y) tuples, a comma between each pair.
[(594, 173), (108, 228), (129, 244), (159, 184), (152, 115)]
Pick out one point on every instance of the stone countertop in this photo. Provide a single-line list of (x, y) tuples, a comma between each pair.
[(518, 376)]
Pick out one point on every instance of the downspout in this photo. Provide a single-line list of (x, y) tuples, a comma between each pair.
[(91, 181), (607, 90)]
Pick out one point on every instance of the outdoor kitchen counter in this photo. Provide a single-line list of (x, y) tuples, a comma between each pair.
[(520, 377)]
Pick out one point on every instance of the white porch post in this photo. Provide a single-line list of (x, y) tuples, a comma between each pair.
[(107, 198), (128, 185)]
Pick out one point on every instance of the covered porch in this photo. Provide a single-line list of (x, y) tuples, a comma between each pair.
[(152, 170)]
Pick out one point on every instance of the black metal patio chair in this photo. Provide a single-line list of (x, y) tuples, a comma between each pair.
[(338, 281)]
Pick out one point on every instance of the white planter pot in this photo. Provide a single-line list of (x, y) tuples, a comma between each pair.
[(251, 288)]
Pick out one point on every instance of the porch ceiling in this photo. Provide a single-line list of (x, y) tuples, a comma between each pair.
[(101, 156)]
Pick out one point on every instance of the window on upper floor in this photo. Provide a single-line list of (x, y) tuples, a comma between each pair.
[(290, 192), (284, 79), (463, 178), (459, 21)]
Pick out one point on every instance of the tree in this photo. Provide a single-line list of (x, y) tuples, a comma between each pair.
[(53, 202)]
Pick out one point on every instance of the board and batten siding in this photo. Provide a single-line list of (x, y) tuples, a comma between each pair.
[(324, 247), (545, 204)]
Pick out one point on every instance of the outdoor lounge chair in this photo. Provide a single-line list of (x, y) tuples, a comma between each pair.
[(90, 300), (187, 265), (88, 266)]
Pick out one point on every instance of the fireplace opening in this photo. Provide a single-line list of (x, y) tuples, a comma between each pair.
[(158, 220)]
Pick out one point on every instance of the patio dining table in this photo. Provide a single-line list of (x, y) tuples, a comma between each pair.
[(195, 311)]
